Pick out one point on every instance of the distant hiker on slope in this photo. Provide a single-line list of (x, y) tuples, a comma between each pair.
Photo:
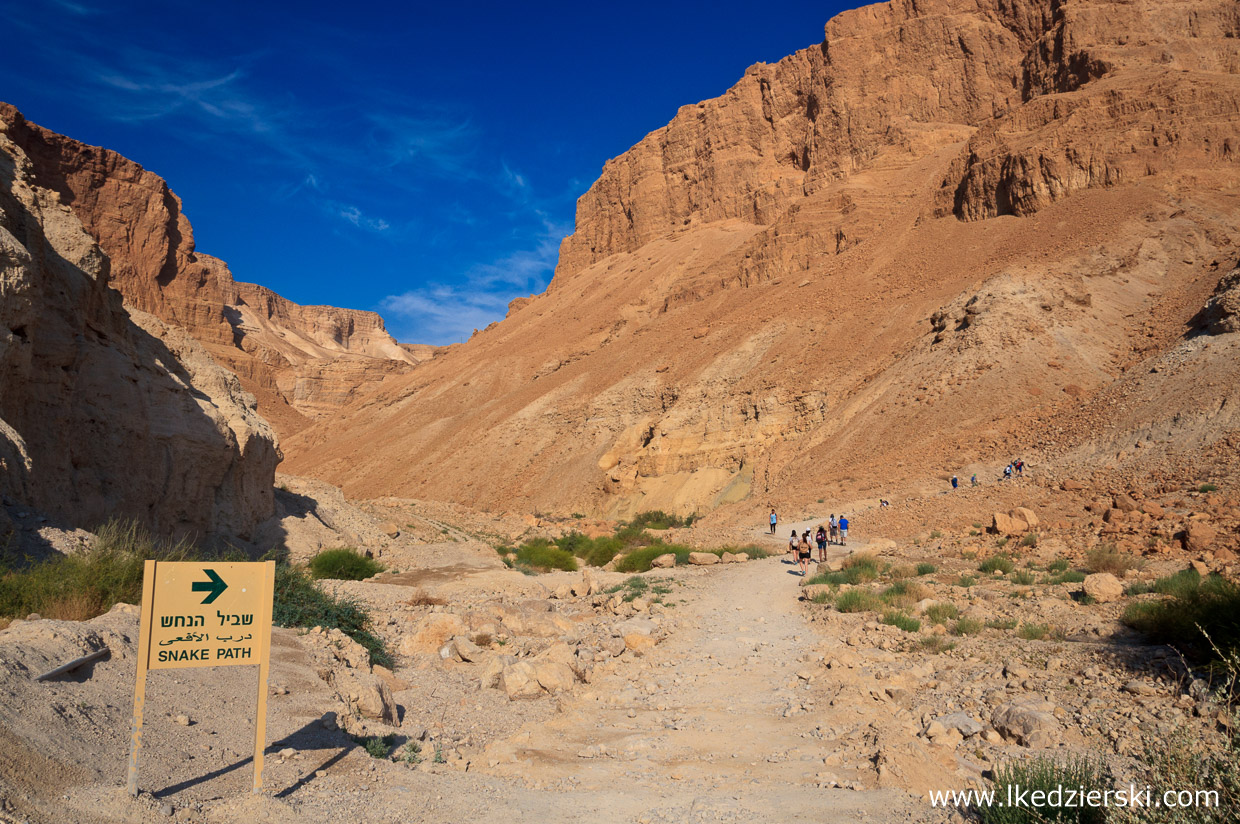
[(803, 553), (973, 480), (821, 538), (843, 531), (774, 520), (955, 482)]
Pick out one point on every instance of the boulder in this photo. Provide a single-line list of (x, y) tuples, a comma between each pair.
[(433, 633), (639, 644), (1124, 502), (1027, 515), (366, 693), (639, 626), (390, 529), (742, 557), (1031, 721), (554, 676), (1152, 509), (492, 672), (520, 680), (1015, 522), (727, 558), (703, 558), (665, 561), (1069, 485), (1103, 587), (1004, 524), (466, 650), (966, 724), (1199, 536)]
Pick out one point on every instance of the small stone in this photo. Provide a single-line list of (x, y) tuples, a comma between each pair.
[(183, 720), (166, 809)]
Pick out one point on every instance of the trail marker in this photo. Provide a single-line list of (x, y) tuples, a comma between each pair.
[(204, 615)]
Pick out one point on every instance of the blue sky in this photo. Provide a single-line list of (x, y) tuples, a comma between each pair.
[(422, 160)]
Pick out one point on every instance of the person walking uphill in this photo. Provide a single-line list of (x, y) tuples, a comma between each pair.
[(774, 520), (843, 531), (792, 545), (835, 530), (821, 537), (803, 553)]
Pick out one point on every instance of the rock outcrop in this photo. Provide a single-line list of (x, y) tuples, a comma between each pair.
[(301, 362), (106, 412), (948, 221)]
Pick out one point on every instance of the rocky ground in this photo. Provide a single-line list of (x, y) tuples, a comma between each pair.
[(702, 693)]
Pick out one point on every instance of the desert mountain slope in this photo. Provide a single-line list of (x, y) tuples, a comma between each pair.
[(106, 412), (299, 361), (912, 248)]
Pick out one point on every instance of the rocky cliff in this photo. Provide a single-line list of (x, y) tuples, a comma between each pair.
[(107, 412), (912, 247), (301, 362)]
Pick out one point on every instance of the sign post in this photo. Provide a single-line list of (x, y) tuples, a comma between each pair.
[(204, 615)]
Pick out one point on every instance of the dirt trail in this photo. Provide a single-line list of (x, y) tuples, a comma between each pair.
[(716, 714)]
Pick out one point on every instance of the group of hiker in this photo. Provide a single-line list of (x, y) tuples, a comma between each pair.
[(1015, 467), (835, 531)]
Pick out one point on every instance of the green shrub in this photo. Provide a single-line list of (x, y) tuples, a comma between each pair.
[(904, 593), (1033, 632), (966, 581), (1029, 540), (1071, 576), (926, 568), (543, 556), (941, 613), (863, 566), (300, 603), (935, 535), (822, 597), (935, 643), (344, 564), (80, 586), (657, 519), (577, 516), (639, 559), (901, 572), (1196, 607), (1002, 542), (1042, 774), (902, 620), (594, 551), (1208, 488), (1057, 565), (1023, 578), (1002, 623), (376, 746), (967, 626), (411, 753), (857, 600), (1106, 558), (997, 563)]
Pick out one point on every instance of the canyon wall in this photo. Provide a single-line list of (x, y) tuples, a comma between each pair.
[(107, 412), (301, 362), (896, 253)]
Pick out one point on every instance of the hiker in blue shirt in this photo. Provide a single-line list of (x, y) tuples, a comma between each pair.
[(774, 520), (843, 531), (955, 482)]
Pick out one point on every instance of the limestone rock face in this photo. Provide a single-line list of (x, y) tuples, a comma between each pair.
[(942, 223), (301, 362), (108, 412)]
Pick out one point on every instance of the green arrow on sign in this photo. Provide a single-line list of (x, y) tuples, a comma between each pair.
[(215, 586)]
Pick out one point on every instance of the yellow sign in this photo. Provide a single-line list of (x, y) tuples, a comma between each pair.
[(204, 615)]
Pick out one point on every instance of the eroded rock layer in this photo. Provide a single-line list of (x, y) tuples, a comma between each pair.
[(107, 412), (301, 362), (916, 245)]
